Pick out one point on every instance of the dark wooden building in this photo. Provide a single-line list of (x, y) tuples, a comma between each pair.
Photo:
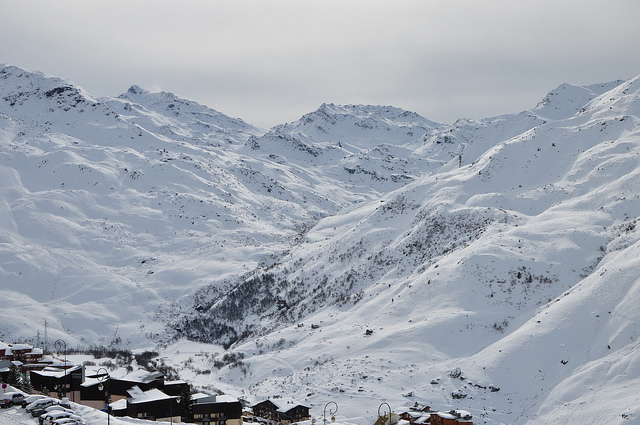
[(153, 405), (114, 389), (216, 410), (141, 378), (281, 411), (63, 382)]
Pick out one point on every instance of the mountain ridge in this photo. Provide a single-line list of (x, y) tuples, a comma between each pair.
[(483, 246)]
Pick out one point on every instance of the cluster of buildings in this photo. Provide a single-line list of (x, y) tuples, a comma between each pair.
[(424, 415), (21, 355), (141, 394), (146, 395), (279, 411)]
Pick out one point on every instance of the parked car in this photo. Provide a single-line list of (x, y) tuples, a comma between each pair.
[(37, 407), (10, 398), (37, 412), (54, 408), (58, 414), (31, 399), (69, 421), (47, 404)]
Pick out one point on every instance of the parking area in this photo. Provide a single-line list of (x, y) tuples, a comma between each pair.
[(16, 415)]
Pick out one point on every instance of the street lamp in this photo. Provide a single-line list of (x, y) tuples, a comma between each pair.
[(59, 344), (331, 412), (102, 379), (388, 407)]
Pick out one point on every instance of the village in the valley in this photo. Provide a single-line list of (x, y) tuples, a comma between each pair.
[(52, 383)]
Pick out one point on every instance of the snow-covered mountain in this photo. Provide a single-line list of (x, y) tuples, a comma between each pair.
[(359, 254)]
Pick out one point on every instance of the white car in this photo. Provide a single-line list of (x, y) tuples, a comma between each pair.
[(75, 420), (54, 408), (41, 403), (31, 399), (58, 414)]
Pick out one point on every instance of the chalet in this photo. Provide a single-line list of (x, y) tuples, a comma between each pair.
[(116, 389), (45, 361), (141, 378), (19, 352), (153, 405), (216, 410), (34, 356), (418, 414), (453, 417), (23, 353), (64, 381), (281, 411)]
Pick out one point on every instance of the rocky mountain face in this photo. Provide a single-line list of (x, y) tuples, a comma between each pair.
[(487, 264)]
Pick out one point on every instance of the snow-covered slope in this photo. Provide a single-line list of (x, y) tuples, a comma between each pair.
[(499, 264), (113, 207), (360, 254)]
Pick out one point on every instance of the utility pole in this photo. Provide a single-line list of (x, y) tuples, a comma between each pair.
[(46, 348)]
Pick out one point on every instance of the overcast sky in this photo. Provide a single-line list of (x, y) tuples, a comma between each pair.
[(271, 61)]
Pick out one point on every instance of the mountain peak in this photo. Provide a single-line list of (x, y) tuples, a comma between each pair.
[(34, 94), (361, 125), (567, 99), (137, 94), (167, 109), (135, 89)]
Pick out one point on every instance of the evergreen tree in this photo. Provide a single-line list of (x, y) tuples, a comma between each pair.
[(13, 378), (26, 385), (185, 400)]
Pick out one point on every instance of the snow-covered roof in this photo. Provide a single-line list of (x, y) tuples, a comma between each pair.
[(284, 405), (410, 412), (139, 396), (224, 398), (422, 419), (142, 376), (445, 415), (196, 396), (202, 398), (119, 404), (50, 371), (462, 413), (21, 347), (56, 372)]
